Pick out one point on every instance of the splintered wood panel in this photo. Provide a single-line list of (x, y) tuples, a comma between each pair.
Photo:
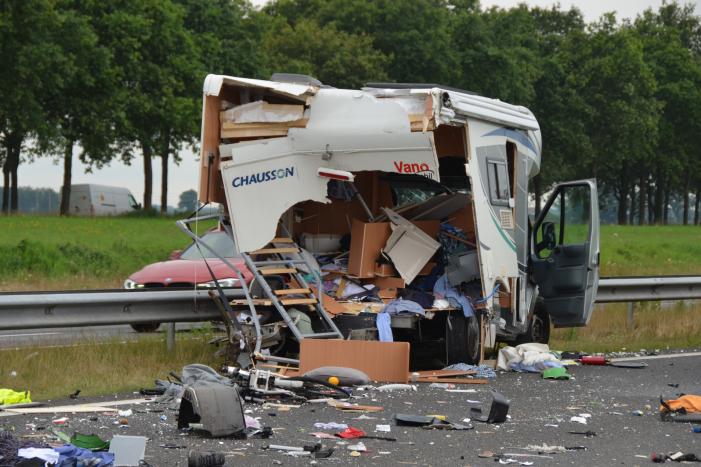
[(381, 361), (298, 301), (292, 291), (450, 141), (211, 186), (269, 271)]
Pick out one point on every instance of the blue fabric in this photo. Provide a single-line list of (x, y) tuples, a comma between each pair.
[(533, 368), (443, 289), (69, 455), (401, 306), (483, 371), (384, 327), (383, 321)]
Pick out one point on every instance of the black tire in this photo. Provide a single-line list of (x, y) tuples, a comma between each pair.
[(462, 339), (146, 327), (538, 328)]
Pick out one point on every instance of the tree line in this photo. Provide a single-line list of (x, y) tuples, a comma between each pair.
[(618, 100)]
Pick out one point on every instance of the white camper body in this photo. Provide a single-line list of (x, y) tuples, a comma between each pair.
[(101, 200), (274, 166)]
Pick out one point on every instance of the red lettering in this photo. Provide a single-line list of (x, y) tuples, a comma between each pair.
[(424, 167), (398, 166)]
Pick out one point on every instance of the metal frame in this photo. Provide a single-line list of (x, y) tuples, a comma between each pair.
[(35, 310), (642, 289)]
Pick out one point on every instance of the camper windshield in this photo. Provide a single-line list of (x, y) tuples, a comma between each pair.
[(413, 189), (217, 240)]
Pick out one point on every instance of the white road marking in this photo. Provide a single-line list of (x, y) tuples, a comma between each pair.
[(656, 357)]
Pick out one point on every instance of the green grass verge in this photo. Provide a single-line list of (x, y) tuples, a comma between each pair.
[(99, 368), (650, 250), (49, 252)]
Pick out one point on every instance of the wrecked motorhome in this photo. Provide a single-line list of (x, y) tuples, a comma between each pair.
[(393, 212)]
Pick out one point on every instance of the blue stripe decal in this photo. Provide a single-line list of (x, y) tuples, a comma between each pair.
[(515, 135)]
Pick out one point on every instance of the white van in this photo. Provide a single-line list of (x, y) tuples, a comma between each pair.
[(101, 200)]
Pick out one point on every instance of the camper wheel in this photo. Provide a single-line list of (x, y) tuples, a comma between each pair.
[(462, 339)]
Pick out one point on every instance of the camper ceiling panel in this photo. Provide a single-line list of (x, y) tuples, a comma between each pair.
[(356, 111), (492, 110), (213, 85), (267, 177)]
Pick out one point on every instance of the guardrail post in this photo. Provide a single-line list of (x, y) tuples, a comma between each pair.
[(170, 337), (629, 319)]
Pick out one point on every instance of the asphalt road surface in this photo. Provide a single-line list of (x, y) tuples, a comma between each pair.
[(540, 413)]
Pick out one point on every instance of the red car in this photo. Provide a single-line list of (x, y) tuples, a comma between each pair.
[(186, 268)]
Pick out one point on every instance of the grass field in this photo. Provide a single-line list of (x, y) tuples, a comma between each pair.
[(45, 252), (98, 368), (51, 253)]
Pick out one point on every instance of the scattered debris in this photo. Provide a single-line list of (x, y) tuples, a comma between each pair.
[(586, 434), (359, 447), (330, 426), (128, 450), (205, 459), (497, 412), (675, 456), (556, 374)]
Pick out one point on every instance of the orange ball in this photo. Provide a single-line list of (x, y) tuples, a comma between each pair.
[(333, 380)]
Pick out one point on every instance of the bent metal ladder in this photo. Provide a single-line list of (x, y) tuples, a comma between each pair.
[(278, 261)]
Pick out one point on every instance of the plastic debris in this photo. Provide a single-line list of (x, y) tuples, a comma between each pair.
[(675, 456), (397, 387), (330, 426), (60, 421), (360, 447), (252, 422), (205, 459), (637, 413), (382, 428), (323, 435), (506, 461), (125, 413), (579, 419), (351, 433)]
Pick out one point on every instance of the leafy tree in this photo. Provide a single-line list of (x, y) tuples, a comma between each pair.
[(671, 37), (618, 87), (413, 35), (82, 105), (188, 200), (160, 75), (227, 34), (335, 57), (31, 68)]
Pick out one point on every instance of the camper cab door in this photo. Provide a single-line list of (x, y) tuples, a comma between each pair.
[(565, 252)]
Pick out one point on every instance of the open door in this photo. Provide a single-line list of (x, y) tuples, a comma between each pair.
[(565, 252)]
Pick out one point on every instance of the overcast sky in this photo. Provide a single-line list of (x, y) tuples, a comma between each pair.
[(44, 173)]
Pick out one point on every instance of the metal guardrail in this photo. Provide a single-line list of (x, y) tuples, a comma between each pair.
[(642, 289), (31, 310)]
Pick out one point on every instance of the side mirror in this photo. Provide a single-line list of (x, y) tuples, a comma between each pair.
[(175, 254), (549, 242)]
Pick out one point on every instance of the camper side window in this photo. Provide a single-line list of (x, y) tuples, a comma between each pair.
[(499, 190)]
